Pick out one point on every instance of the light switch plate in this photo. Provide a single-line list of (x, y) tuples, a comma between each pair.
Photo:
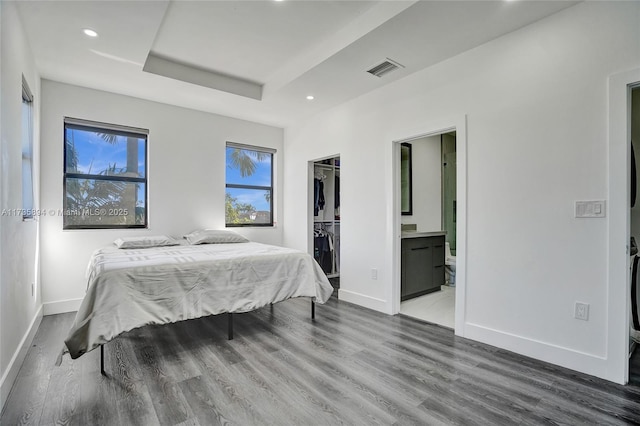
[(581, 311), (594, 208)]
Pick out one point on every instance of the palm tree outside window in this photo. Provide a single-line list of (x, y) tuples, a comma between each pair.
[(249, 185), (105, 176)]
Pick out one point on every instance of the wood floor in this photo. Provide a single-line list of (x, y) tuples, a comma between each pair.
[(351, 366)]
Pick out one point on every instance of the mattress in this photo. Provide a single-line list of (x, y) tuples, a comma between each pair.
[(132, 288)]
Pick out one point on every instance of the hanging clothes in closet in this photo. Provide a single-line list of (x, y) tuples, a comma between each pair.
[(318, 195), (324, 252)]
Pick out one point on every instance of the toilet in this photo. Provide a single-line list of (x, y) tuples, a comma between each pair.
[(449, 265)]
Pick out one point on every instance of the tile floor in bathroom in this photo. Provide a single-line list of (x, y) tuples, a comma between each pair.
[(437, 308)]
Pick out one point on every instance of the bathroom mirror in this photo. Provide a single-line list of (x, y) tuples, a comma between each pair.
[(406, 191)]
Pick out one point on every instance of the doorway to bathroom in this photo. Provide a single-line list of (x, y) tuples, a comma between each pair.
[(427, 214)]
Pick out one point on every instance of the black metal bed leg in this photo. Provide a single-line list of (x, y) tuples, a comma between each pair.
[(102, 360), (230, 325), (313, 309)]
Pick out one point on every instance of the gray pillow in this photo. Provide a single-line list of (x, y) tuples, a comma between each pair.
[(214, 236), (145, 242)]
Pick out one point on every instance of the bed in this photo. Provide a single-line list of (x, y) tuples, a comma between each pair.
[(133, 287)]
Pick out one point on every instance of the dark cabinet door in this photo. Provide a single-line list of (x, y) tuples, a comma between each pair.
[(422, 266), (438, 263), (418, 276)]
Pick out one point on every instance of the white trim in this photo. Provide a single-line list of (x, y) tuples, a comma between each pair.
[(363, 300), (61, 306), (459, 124), (10, 374), (566, 357), (27, 94), (618, 223), (251, 147), (105, 126)]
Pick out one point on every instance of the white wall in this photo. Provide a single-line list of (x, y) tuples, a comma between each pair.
[(536, 108), (186, 166), (426, 170), (20, 312)]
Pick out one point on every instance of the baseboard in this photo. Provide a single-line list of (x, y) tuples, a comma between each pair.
[(572, 359), (62, 306), (6, 383), (363, 300)]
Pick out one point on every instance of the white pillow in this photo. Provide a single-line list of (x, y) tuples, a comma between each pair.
[(145, 242), (214, 236)]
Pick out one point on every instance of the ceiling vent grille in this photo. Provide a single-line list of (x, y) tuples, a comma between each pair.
[(384, 68)]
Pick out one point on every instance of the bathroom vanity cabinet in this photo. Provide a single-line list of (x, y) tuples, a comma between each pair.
[(422, 269)]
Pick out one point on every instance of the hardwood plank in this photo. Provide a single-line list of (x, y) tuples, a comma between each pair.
[(26, 400), (202, 402), (47, 344), (168, 342), (167, 398), (266, 390), (374, 388), (220, 386), (190, 422), (137, 409), (277, 391), (349, 366), (97, 404), (62, 399)]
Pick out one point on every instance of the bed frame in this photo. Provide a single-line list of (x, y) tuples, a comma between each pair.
[(229, 333)]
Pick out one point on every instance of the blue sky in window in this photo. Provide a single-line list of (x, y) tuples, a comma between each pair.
[(250, 196), (95, 155), (261, 176)]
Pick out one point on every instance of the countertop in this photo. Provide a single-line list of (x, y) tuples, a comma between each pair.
[(418, 234)]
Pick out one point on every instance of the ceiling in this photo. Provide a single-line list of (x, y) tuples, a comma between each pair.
[(258, 60)]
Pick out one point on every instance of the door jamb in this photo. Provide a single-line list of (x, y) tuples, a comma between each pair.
[(459, 125), (618, 224)]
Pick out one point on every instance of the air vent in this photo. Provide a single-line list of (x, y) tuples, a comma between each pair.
[(384, 68)]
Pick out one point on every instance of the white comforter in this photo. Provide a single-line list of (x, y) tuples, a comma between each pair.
[(132, 288)]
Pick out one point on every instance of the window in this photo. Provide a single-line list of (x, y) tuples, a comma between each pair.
[(249, 186), (27, 151), (105, 176)]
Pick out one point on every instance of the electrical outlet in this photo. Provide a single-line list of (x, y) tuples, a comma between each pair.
[(581, 311), (374, 274)]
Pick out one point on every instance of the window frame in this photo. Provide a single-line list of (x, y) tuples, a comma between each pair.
[(28, 203), (271, 189), (95, 126)]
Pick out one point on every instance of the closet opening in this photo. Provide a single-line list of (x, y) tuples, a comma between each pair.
[(325, 211)]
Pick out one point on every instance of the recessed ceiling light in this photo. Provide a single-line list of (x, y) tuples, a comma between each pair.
[(90, 32), (310, 98)]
